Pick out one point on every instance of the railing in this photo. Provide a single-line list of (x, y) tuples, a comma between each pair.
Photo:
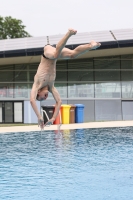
[(77, 90)]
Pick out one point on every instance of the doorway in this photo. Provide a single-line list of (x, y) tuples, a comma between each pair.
[(11, 112)]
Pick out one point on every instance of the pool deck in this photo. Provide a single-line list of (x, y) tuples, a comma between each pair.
[(67, 126)]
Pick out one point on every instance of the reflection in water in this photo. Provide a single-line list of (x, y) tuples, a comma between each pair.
[(58, 138), (66, 135), (80, 134), (77, 164)]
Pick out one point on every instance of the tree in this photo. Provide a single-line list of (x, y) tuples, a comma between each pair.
[(12, 28)]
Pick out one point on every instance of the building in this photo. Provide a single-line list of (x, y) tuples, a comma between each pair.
[(101, 79)]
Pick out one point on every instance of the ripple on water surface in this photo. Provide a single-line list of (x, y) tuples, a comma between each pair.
[(78, 164)]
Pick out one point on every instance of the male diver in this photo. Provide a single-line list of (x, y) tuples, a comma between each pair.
[(46, 73)]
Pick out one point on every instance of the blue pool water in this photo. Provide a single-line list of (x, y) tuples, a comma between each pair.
[(88, 164)]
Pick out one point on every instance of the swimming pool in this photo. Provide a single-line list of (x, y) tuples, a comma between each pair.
[(95, 164)]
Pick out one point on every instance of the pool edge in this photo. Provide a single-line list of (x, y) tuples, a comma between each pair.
[(32, 128)]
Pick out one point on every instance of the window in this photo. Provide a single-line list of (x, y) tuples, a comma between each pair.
[(62, 89), (108, 90), (127, 62), (80, 64), (80, 75), (6, 74), (107, 75), (127, 75), (61, 75), (61, 65), (107, 63), (127, 89), (81, 90)]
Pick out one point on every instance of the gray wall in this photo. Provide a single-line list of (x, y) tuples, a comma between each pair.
[(98, 110), (29, 114), (88, 109), (49, 102), (106, 110), (127, 110)]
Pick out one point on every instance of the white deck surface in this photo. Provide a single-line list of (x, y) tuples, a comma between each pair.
[(67, 126)]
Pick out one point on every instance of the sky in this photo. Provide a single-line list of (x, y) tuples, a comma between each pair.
[(53, 17)]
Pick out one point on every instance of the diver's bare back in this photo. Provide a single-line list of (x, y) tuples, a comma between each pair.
[(46, 73)]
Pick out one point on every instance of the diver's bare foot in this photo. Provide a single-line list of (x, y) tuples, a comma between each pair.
[(95, 45), (71, 31)]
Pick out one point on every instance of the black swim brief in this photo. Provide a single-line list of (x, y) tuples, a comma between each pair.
[(54, 45)]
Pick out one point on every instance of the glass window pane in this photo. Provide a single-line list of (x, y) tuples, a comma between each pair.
[(20, 76), (0, 112), (31, 75), (81, 90), (33, 66), (6, 68), (21, 90), (127, 75), (80, 76), (107, 63), (61, 76), (107, 75), (6, 76), (10, 91), (17, 90), (80, 64), (3, 90), (20, 73), (61, 64), (108, 90), (127, 89), (62, 89), (18, 112), (127, 62), (8, 112), (20, 67)]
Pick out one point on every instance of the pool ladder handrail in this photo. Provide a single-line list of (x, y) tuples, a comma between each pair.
[(58, 125)]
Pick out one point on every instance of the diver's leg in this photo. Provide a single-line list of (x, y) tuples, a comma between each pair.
[(54, 53), (81, 49)]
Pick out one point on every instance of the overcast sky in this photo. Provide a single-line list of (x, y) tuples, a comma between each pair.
[(52, 17)]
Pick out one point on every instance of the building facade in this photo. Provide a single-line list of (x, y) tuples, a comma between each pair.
[(102, 79)]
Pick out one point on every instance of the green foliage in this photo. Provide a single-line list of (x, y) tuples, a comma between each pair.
[(12, 28)]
